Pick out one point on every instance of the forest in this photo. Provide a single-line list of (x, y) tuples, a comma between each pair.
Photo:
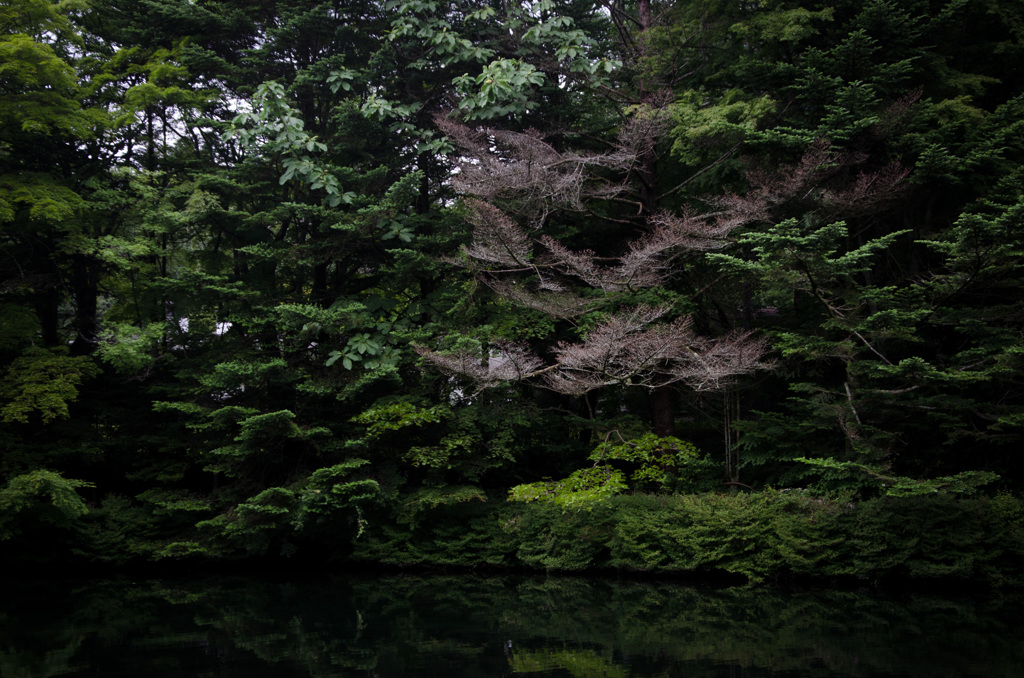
[(694, 286)]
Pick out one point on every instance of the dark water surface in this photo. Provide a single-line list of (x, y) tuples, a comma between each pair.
[(454, 626)]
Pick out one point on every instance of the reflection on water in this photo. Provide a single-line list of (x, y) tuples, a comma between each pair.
[(456, 626)]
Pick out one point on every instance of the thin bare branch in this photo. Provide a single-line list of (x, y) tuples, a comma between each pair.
[(496, 237), (554, 303)]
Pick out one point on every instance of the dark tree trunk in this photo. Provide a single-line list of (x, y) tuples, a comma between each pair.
[(47, 304), (748, 306), (319, 291), (643, 13), (423, 197), (663, 411), (662, 401), (730, 437), (85, 290)]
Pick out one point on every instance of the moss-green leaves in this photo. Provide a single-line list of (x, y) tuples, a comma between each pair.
[(40, 496), (43, 382), (653, 460)]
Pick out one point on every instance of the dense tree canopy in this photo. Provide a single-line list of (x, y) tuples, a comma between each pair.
[(271, 270)]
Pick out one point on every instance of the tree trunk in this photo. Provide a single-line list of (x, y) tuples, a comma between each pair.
[(643, 14), (85, 290), (47, 305), (663, 411), (318, 293), (730, 413), (662, 402)]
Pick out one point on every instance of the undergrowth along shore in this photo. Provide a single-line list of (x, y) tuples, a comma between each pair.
[(765, 537)]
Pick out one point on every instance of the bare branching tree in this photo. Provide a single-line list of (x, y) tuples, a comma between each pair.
[(556, 303), (533, 179), (517, 181), (812, 183), (869, 193), (632, 349), (640, 346), (497, 238), (627, 349), (500, 363)]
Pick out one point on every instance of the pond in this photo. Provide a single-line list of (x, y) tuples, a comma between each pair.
[(479, 626)]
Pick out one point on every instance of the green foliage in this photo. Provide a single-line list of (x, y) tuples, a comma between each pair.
[(45, 200), (18, 326), (172, 502), (278, 129), (412, 509), (768, 536), (577, 663), (328, 504), (729, 117), (966, 483), (659, 458), (657, 461), (224, 226), (807, 258), (498, 90), (398, 415), (783, 25), (549, 538), (37, 498), (262, 429), (582, 489), (43, 382), (40, 88), (771, 535), (330, 491), (119, 531), (902, 536), (130, 350), (449, 527), (241, 374), (259, 525), (495, 71)]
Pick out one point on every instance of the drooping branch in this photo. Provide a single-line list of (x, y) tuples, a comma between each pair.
[(496, 237), (513, 167), (556, 303), (808, 182), (646, 263), (502, 362), (712, 364), (532, 178), (869, 193), (582, 265), (629, 349)]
